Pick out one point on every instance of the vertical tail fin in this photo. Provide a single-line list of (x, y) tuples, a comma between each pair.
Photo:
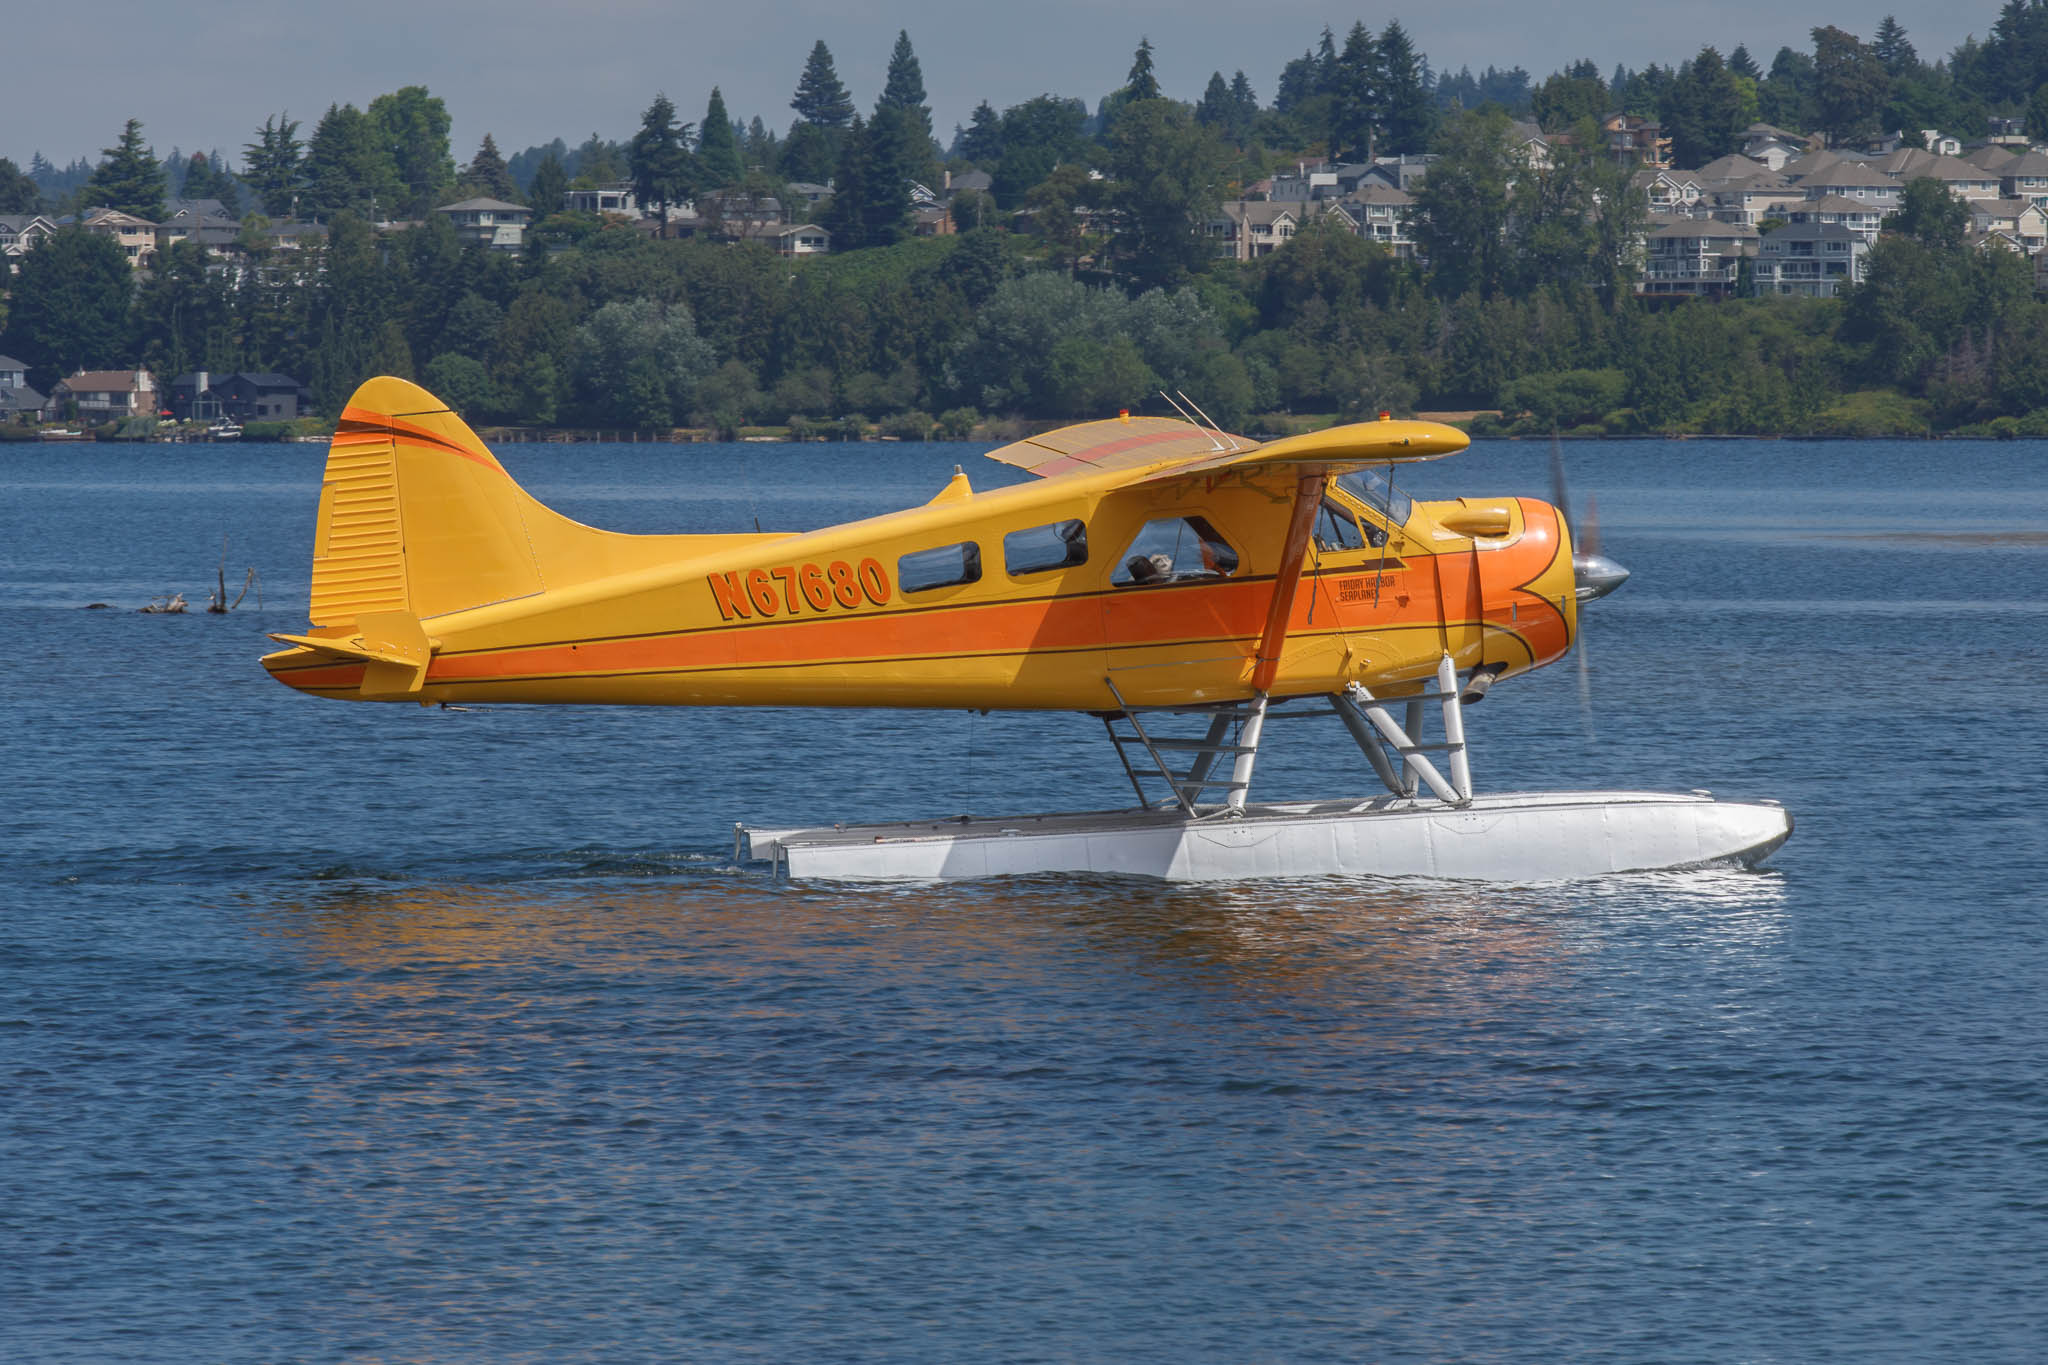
[(416, 516)]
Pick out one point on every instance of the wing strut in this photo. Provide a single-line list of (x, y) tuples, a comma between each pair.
[(1308, 498)]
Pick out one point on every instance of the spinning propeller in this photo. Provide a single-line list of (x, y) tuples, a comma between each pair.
[(1594, 575)]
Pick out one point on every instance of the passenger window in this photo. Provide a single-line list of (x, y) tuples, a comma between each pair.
[(944, 567), (1057, 545), (1174, 549)]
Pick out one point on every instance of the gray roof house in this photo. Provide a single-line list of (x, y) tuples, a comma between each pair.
[(1814, 259)]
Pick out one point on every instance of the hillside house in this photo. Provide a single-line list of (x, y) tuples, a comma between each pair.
[(135, 236), (1811, 259), (491, 223), (19, 233), (1696, 258)]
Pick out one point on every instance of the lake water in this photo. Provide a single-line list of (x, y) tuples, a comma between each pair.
[(380, 1033)]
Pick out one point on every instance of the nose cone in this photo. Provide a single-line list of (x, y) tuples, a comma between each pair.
[(1596, 575)]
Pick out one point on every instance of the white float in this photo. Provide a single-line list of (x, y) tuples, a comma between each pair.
[(1428, 825)]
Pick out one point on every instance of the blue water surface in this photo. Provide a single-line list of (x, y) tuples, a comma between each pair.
[(379, 1033)]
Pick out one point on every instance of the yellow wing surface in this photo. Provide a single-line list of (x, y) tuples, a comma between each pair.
[(437, 578)]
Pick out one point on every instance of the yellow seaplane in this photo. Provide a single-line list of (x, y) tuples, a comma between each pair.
[(1184, 585)]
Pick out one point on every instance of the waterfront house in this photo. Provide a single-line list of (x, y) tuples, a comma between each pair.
[(18, 402), (249, 397), (102, 395)]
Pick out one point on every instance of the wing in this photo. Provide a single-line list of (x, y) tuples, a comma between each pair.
[(1332, 451), (1165, 449)]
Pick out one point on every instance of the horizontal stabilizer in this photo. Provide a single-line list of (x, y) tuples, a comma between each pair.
[(392, 645)]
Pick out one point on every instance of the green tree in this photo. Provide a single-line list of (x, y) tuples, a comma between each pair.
[(1703, 110), (1037, 135), (718, 150), (639, 361), (550, 186), (18, 193), (1167, 174), (204, 180), (1893, 48), (1570, 95), (1355, 111), (982, 143), (820, 99), (1141, 84), (68, 306), (1930, 215), (130, 178), (1786, 97), (271, 165), (184, 313), (1407, 110), (663, 173), (894, 152), (1850, 84), (412, 126), (348, 168), (904, 90), (488, 175), (1461, 209)]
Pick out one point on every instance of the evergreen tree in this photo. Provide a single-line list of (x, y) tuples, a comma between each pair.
[(660, 158), (1355, 111), (130, 179), (1893, 48), (847, 218), (896, 151), (982, 143), (348, 168), (905, 90), (1167, 174), (1244, 108), (1744, 65), (1702, 110), (550, 186), (718, 150), (488, 175), (1461, 209), (68, 305), (905, 86), (1786, 96), (270, 165), (1141, 84), (1214, 111), (19, 193), (762, 149), (820, 99), (1407, 111)]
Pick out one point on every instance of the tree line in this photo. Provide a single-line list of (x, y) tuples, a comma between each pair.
[(1107, 290)]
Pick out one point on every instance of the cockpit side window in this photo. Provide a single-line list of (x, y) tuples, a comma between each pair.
[(1337, 528), (1370, 487), (1173, 550)]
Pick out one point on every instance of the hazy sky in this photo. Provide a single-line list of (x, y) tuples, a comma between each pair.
[(526, 71)]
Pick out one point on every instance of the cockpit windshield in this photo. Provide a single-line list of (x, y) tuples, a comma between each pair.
[(1370, 487)]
